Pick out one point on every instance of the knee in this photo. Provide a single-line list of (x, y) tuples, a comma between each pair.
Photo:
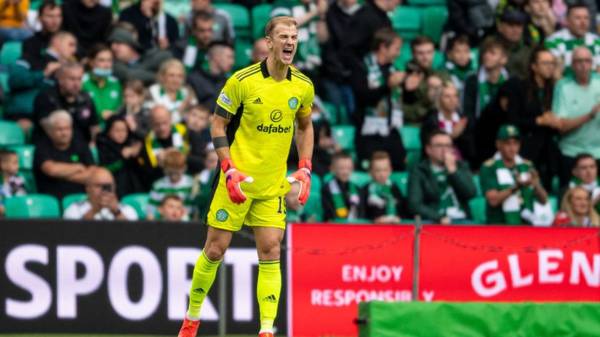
[(215, 250), (269, 250)]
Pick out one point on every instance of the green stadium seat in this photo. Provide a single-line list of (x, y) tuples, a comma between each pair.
[(434, 19), (406, 21), (11, 51), (139, 201), (411, 137), (32, 206), (553, 200), (401, 180), (427, 3), (360, 178), (477, 208), (477, 183), (344, 136), (260, 16), (404, 57), (4, 82), (353, 221), (243, 53), (240, 18), (11, 134), (29, 181), (177, 8), (71, 199), (25, 154)]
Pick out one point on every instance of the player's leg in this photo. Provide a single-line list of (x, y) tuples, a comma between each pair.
[(268, 290), (267, 219)]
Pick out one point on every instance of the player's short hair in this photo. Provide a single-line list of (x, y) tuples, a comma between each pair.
[(582, 156), (284, 20), (456, 41), (420, 40), (384, 36), (379, 155), (170, 197), (174, 160)]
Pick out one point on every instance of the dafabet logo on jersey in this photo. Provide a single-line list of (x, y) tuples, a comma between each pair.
[(276, 116)]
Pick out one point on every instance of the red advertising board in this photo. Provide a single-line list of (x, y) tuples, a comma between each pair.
[(333, 267), (495, 263)]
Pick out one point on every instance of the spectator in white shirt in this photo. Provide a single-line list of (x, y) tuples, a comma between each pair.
[(102, 202)]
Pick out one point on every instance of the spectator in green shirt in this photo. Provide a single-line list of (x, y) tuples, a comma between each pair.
[(510, 183), (104, 89)]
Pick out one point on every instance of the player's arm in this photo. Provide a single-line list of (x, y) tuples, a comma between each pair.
[(305, 144)]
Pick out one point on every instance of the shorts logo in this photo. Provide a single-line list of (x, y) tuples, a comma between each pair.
[(223, 97), (293, 103), (276, 116), (222, 215)]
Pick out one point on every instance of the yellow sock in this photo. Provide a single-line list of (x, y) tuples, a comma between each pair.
[(267, 292), (205, 272)]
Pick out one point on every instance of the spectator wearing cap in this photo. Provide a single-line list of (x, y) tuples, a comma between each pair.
[(510, 28), (575, 106), (542, 21), (68, 95), (563, 42), (88, 20), (50, 18), (102, 202), (31, 74), (207, 82), (528, 108), (510, 183), (61, 165), (192, 49), (156, 28), (441, 185), (131, 62)]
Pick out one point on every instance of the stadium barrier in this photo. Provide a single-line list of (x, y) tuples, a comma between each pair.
[(133, 277)]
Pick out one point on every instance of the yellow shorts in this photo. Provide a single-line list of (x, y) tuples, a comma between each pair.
[(224, 214)]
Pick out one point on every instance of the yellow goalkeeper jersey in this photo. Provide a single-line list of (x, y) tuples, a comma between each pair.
[(261, 129)]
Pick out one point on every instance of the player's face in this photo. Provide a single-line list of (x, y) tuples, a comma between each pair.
[(381, 170), (586, 170), (283, 42)]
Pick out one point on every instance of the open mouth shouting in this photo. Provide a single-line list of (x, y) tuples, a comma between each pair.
[(288, 54)]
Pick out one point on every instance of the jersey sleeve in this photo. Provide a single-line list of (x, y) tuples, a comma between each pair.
[(307, 102), (231, 96)]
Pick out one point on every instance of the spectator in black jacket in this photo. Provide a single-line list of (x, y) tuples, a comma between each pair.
[(156, 29), (335, 75), (50, 17), (529, 108), (88, 21), (207, 83), (377, 118), (473, 18), (372, 16)]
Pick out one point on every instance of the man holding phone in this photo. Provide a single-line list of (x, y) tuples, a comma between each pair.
[(102, 202)]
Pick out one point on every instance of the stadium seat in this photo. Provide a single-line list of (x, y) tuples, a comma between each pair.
[(401, 180), (139, 201), (360, 178), (32, 206), (11, 51), (477, 208), (553, 200), (477, 183), (260, 16), (243, 53), (25, 154), (344, 136), (4, 82), (406, 21), (72, 198), (11, 134), (29, 181), (240, 18), (411, 137), (434, 19), (177, 8), (427, 3)]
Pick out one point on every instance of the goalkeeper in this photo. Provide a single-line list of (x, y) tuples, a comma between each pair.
[(258, 111)]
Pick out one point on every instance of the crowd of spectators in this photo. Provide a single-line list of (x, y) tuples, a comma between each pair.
[(116, 97)]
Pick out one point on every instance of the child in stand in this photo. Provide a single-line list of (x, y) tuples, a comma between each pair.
[(172, 209), (134, 110), (13, 183), (458, 61), (383, 200), (174, 182)]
